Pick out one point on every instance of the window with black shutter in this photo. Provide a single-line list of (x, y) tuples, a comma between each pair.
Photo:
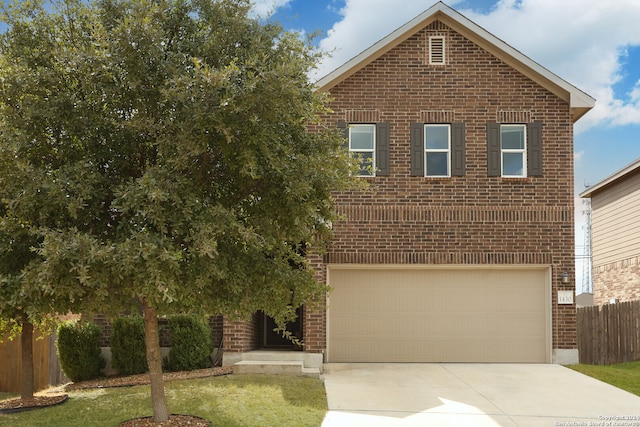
[(438, 150), (514, 150), (370, 143)]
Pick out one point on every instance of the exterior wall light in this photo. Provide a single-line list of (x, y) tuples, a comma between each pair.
[(565, 277)]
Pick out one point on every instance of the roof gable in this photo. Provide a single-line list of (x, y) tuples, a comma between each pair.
[(579, 102), (616, 177)]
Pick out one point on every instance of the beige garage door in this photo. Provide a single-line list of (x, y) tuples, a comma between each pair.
[(438, 315)]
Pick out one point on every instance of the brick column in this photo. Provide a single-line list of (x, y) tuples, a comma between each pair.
[(315, 315), (240, 336)]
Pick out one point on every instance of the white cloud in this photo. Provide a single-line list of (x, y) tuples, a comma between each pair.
[(363, 23), (629, 113), (635, 93), (264, 8), (582, 41)]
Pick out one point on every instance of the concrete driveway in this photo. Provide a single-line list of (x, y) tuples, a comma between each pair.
[(483, 395)]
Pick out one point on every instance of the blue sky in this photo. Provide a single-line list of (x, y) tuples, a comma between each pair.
[(593, 44)]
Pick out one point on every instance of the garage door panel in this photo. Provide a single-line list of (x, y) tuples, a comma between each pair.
[(437, 315)]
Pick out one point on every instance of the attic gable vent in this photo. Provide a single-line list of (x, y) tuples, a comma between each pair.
[(436, 50)]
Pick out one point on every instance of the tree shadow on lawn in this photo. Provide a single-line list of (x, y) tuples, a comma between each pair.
[(233, 400)]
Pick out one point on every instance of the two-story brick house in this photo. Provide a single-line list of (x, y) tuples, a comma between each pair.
[(461, 245)]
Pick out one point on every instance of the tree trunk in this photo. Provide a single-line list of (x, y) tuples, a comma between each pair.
[(26, 389), (154, 360)]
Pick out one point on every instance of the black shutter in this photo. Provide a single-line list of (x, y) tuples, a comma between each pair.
[(382, 149), (417, 149), (458, 162), (534, 149), (493, 150), (344, 131)]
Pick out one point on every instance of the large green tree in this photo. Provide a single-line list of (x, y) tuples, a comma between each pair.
[(160, 156)]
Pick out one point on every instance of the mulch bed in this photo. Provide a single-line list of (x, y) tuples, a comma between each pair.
[(173, 421), (143, 379), (19, 405), (46, 399)]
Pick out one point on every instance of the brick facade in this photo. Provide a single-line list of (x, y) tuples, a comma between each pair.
[(467, 220), (619, 280), (241, 336), (315, 318)]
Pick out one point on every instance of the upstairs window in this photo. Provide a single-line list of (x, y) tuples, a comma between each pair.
[(362, 144), (437, 141), (437, 150), (370, 144), (513, 148)]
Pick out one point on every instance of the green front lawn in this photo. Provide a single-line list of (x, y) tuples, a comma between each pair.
[(233, 401), (624, 375)]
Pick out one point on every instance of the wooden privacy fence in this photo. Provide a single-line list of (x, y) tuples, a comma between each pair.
[(609, 334), (45, 364)]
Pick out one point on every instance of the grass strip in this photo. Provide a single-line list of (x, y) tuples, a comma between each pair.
[(233, 401)]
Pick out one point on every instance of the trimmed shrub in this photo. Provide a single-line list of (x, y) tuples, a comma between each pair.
[(128, 348), (191, 343), (78, 348)]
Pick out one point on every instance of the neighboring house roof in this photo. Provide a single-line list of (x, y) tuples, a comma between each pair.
[(612, 179), (579, 102)]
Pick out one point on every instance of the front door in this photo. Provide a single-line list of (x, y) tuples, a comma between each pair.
[(272, 339)]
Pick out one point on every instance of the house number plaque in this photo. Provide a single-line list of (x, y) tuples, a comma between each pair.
[(565, 297)]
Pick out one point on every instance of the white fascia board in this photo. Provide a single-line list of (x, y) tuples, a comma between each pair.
[(378, 49), (586, 194)]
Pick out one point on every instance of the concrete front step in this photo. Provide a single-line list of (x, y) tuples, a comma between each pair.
[(270, 367), (274, 356), (275, 362)]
